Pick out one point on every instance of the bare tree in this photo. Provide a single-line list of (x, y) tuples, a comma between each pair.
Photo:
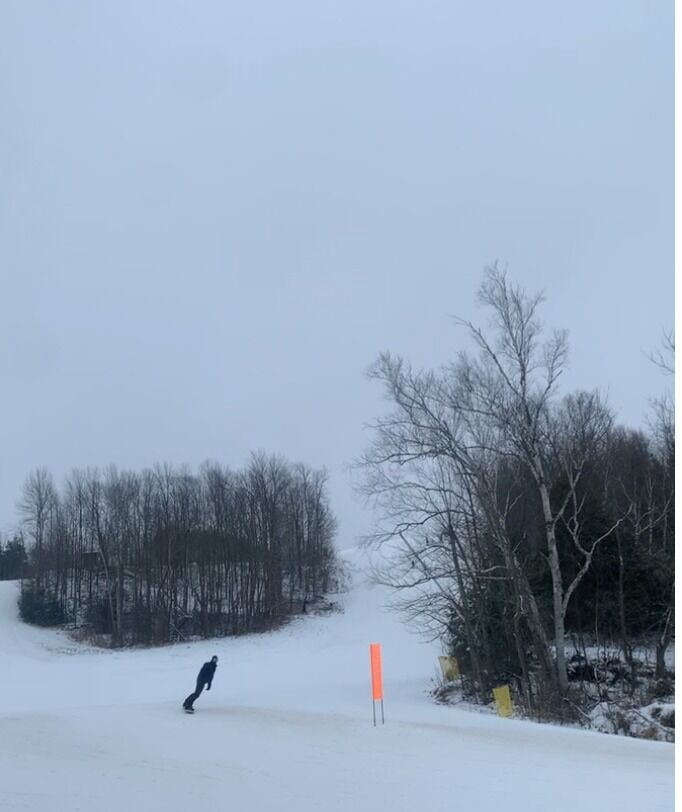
[(663, 427), (664, 357), (513, 383), (37, 506), (482, 418), (433, 469)]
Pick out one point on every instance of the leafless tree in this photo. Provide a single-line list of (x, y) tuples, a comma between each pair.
[(37, 508), (449, 460), (664, 357), (165, 554)]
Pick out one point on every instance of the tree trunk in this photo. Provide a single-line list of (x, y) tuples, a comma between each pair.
[(625, 645), (557, 581), (662, 645), (468, 628)]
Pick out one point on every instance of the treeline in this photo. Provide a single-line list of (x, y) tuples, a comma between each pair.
[(13, 559), (525, 528), (165, 554)]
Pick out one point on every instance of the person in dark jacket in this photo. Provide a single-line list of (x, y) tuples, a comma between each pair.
[(205, 678)]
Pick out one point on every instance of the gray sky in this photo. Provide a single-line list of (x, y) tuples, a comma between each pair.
[(214, 215)]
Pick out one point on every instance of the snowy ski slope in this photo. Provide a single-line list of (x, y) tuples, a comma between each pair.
[(287, 726)]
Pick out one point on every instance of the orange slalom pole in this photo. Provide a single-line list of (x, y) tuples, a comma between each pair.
[(377, 685)]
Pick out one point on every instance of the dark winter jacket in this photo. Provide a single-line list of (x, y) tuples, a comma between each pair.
[(207, 672)]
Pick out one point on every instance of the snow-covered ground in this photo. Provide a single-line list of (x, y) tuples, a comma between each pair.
[(287, 726)]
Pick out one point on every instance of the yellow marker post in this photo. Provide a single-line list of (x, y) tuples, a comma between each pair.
[(503, 701), (450, 668)]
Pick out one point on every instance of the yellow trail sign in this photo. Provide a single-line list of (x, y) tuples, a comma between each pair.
[(450, 668), (503, 700)]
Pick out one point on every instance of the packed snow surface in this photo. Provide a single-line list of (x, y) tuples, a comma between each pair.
[(287, 726)]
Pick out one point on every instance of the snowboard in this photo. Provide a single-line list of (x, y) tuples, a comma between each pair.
[(188, 710)]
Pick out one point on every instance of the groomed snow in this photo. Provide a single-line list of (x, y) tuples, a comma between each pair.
[(287, 726)]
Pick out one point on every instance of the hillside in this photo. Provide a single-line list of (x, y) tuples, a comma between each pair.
[(287, 725)]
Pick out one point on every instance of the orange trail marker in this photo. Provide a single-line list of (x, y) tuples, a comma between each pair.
[(377, 686)]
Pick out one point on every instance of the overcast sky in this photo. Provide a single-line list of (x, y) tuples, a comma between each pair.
[(214, 215)]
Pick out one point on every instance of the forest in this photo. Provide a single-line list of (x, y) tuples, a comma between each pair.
[(164, 555), (522, 524)]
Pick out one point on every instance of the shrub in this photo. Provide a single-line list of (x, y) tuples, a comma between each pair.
[(662, 688), (40, 608)]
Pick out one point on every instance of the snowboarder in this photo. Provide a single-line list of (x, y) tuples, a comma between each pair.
[(205, 678)]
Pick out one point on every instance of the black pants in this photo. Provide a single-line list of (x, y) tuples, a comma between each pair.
[(197, 693)]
